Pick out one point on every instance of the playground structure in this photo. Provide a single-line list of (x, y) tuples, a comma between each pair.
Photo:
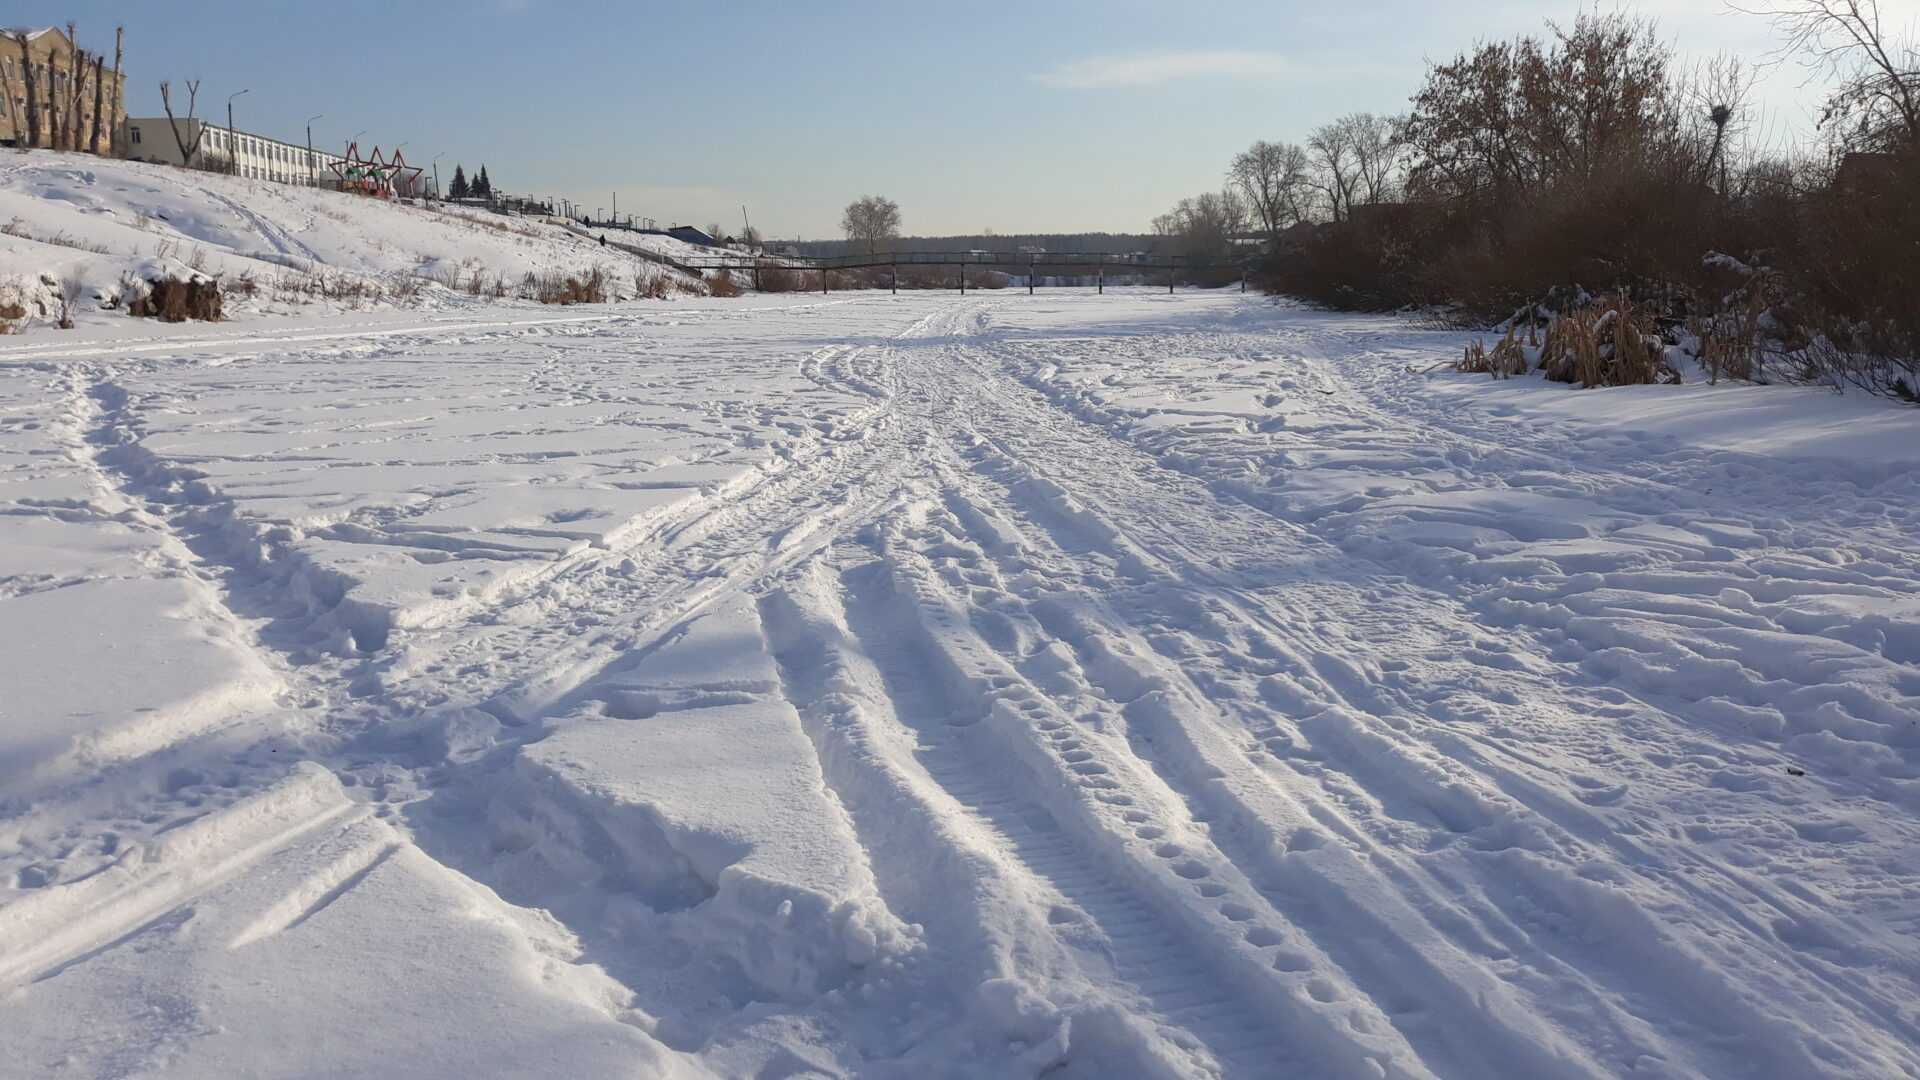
[(375, 175)]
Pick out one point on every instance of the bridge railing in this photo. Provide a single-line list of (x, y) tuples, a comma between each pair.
[(1011, 261)]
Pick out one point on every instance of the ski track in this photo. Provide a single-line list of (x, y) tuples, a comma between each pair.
[(1235, 778)]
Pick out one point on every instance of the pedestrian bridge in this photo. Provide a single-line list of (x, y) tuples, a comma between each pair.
[(1030, 266)]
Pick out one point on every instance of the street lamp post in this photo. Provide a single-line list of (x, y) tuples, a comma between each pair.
[(436, 173), (312, 181), (233, 147)]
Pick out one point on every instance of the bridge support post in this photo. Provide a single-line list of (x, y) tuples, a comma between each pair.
[(1169, 280), (1100, 274), (893, 277), (963, 279), (823, 281)]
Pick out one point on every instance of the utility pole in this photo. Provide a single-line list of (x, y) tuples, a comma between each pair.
[(233, 148)]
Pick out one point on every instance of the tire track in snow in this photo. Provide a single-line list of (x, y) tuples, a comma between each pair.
[(1152, 956), (1452, 1014), (1090, 455), (1700, 988)]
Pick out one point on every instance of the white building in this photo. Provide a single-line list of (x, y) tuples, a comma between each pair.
[(243, 153)]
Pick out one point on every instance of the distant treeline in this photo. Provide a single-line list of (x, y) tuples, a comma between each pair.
[(1055, 243)]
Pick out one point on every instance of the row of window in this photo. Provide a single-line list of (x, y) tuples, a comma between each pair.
[(12, 69), (262, 148)]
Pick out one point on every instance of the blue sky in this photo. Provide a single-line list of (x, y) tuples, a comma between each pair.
[(1049, 115)]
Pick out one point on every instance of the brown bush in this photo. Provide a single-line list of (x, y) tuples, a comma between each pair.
[(555, 287), (651, 286), (1857, 270), (1507, 359), (721, 284), (775, 278), (172, 300), (1608, 343)]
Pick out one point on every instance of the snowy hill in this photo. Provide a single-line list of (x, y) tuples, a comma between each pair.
[(62, 214)]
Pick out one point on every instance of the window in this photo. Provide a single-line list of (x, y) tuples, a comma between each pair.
[(134, 134)]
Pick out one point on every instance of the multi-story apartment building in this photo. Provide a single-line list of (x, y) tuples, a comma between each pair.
[(51, 54)]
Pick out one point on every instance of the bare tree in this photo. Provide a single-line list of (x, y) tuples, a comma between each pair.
[(56, 130), (76, 97), (99, 101), (119, 88), (1717, 95), (1206, 224), (76, 77), (33, 89), (1272, 177), (872, 220), (1336, 169), (1878, 99), (1377, 150), (73, 287), (187, 153), (13, 109)]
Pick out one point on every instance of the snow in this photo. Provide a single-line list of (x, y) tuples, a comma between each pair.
[(1079, 685), (111, 221)]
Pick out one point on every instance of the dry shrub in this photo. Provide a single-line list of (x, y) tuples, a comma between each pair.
[(1860, 280), (1730, 341), (722, 284), (558, 288), (1507, 359), (928, 277), (1607, 343), (72, 288), (172, 300), (9, 315), (774, 278), (651, 286)]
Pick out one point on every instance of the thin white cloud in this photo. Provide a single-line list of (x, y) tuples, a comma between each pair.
[(1155, 68)]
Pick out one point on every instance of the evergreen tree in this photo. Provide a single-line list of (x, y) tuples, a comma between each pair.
[(459, 189), (482, 186)]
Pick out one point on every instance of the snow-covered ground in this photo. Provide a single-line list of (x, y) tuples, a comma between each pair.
[(1095, 686), (300, 251)]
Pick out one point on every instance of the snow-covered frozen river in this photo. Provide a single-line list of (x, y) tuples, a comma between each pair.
[(1097, 686)]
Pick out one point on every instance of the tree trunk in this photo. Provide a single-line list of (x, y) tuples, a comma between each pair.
[(119, 89), (56, 131), (33, 91), (14, 119), (166, 102), (76, 72), (99, 101), (76, 96)]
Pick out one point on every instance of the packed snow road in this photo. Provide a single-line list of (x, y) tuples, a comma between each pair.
[(1094, 686)]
